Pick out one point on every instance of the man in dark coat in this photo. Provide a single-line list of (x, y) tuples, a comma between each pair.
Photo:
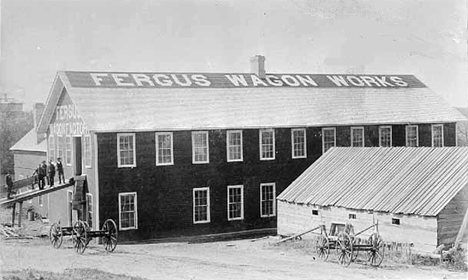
[(41, 174), (51, 173), (9, 183), (60, 171)]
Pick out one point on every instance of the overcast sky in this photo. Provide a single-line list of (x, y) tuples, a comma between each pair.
[(426, 38)]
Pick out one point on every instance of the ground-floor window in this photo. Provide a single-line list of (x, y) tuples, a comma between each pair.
[(128, 211), (201, 205), (267, 200), (235, 202)]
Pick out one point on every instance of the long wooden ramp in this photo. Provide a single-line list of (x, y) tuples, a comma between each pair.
[(30, 194)]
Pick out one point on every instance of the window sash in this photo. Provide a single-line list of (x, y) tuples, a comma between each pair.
[(267, 144), (437, 135), (68, 150), (267, 200), (412, 137), (385, 136), (87, 150), (51, 147), (126, 150), (234, 146), (128, 218), (235, 203), (357, 136), (328, 138), (298, 143), (200, 147), (201, 205), (164, 148)]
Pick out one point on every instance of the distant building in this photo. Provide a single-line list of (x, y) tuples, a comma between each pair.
[(417, 195), (28, 152), (171, 154), (10, 104)]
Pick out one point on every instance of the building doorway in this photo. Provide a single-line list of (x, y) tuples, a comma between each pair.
[(69, 208), (78, 157)]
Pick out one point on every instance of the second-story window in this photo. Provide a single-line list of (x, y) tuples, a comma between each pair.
[(357, 136), (411, 135), (200, 148), (87, 151), (267, 144), (126, 150), (437, 135), (164, 150), (385, 136), (234, 145), (328, 138), (298, 143), (51, 147)]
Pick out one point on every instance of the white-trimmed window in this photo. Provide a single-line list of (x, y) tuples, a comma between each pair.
[(357, 136), (201, 205), (87, 151), (128, 216), (298, 143), (200, 147), (89, 209), (164, 150), (234, 145), (412, 137), (126, 150), (437, 135), (328, 138), (385, 136), (60, 146), (267, 200), (51, 147), (235, 202), (267, 144), (68, 150)]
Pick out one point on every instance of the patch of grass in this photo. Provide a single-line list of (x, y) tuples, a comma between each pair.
[(70, 274)]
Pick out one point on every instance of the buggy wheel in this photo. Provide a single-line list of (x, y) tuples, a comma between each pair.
[(322, 247), (376, 254), (80, 237), (109, 239), (344, 249), (55, 235)]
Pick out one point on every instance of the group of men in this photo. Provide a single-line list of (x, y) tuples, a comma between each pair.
[(48, 171)]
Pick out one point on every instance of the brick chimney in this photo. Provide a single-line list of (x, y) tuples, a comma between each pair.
[(257, 66), (38, 109)]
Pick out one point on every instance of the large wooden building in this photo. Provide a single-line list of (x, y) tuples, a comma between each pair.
[(418, 196), (171, 154)]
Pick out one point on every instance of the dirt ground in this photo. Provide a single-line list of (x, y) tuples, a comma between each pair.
[(240, 259)]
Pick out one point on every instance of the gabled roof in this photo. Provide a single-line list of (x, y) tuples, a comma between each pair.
[(397, 180), (29, 143), (118, 104)]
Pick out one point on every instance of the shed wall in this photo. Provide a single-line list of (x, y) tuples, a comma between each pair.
[(421, 231), (451, 217)]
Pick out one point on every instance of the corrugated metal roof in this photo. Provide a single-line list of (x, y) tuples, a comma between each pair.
[(397, 180), (29, 143)]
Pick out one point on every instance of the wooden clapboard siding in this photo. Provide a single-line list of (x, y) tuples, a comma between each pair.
[(451, 217)]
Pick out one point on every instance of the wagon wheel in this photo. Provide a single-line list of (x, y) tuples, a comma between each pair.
[(322, 247), (376, 253), (87, 228), (344, 249), (55, 235), (109, 239), (79, 236)]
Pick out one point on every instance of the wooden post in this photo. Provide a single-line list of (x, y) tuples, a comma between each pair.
[(20, 213), (13, 214)]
